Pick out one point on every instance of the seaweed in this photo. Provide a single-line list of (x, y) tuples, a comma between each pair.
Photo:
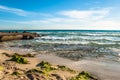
[(16, 73), (45, 66), (26, 55), (83, 76), (36, 70), (19, 59), (65, 68)]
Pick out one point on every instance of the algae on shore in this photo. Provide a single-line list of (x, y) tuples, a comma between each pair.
[(19, 59), (83, 76)]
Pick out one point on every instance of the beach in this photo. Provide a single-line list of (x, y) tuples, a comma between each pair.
[(99, 55), (8, 69), (59, 39), (103, 70)]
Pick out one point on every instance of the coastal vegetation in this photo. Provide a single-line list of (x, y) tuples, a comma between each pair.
[(64, 68), (16, 73), (83, 76), (23, 55), (19, 59), (45, 66)]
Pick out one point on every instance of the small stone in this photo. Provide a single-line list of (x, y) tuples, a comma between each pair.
[(30, 76)]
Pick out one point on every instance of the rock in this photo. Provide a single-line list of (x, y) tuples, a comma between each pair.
[(31, 76), (17, 36)]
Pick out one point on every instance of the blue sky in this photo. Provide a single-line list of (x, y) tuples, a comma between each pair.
[(60, 14)]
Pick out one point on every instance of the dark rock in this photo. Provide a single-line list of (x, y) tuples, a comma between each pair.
[(30, 76)]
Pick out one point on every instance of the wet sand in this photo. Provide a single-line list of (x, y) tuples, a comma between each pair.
[(104, 70)]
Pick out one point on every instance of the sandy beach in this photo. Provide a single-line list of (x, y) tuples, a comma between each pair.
[(102, 70), (101, 61), (8, 67)]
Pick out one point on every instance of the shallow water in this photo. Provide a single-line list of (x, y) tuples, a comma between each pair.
[(81, 37), (75, 45)]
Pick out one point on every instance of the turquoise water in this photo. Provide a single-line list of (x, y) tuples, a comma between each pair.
[(74, 44), (81, 37)]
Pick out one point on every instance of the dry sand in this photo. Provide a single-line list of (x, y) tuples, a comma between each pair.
[(33, 61)]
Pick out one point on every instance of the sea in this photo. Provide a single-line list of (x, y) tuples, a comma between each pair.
[(72, 44)]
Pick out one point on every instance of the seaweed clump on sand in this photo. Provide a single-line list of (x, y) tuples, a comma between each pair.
[(25, 55), (16, 73), (19, 59), (64, 68), (83, 76), (46, 66), (43, 69)]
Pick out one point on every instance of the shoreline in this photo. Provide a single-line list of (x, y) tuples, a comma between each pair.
[(103, 70)]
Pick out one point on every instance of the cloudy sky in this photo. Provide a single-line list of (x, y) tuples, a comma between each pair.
[(60, 14)]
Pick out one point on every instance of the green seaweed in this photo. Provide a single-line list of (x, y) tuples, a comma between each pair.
[(45, 66), (29, 55), (83, 76), (35, 70), (16, 73), (38, 70), (19, 59), (65, 68), (25, 55)]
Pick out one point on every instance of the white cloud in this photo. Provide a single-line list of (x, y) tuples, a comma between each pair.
[(74, 19), (21, 12), (85, 14), (106, 24), (13, 10)]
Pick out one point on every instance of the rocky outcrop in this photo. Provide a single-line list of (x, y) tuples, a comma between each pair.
[(17, 36)]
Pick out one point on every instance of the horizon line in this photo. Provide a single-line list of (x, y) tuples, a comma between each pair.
[(60, 29)]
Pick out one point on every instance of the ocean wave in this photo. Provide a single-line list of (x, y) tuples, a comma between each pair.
[(79, 39), (109, 39)]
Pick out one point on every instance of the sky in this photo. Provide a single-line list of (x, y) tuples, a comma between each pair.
[(60, 14)]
